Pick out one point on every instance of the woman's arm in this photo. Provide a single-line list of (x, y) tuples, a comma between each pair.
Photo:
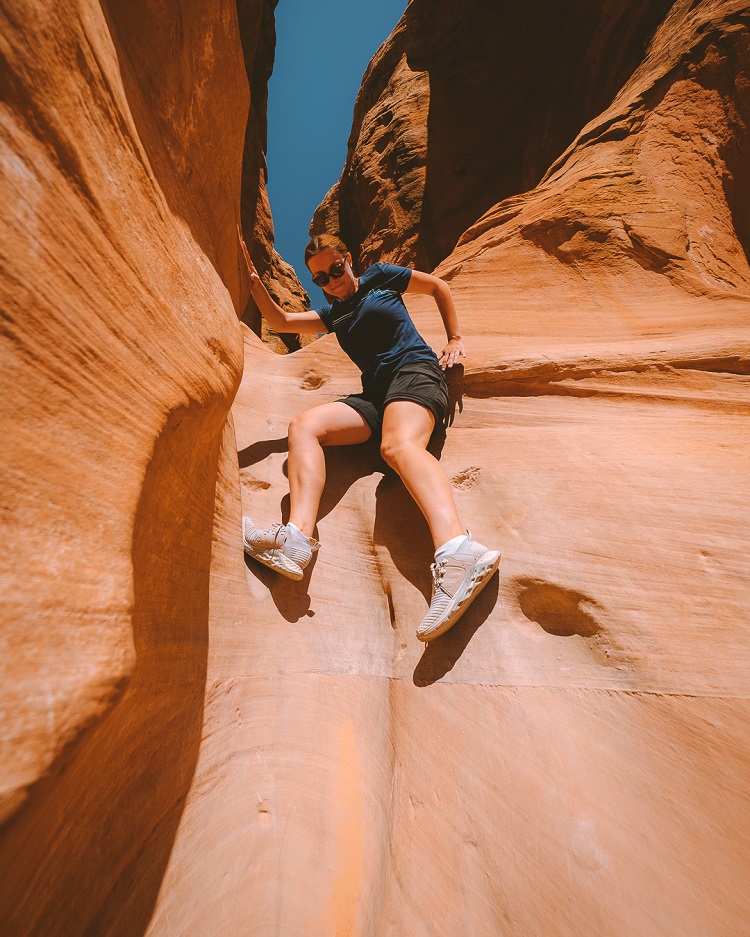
[(440, 291), (279, 319)]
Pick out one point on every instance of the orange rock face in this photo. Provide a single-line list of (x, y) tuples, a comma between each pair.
[(258, 35), (463, 109), (121, 134), (194, 747)]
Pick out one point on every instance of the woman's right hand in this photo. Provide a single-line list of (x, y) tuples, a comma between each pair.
[(254, 278)]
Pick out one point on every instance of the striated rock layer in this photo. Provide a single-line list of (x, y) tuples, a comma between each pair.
[(194, 746), (467, 104), (121, 138)]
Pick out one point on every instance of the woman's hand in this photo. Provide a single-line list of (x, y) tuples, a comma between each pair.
[(254, 278), (452, 353)]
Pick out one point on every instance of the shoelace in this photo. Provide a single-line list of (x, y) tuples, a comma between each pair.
[(272, 530), (438, 571)]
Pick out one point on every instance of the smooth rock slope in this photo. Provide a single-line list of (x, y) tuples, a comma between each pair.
[(193, 746)]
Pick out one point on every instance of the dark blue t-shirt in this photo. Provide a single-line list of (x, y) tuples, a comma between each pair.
[(375, 329)]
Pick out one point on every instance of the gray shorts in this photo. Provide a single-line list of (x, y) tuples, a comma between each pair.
[(422, 382)]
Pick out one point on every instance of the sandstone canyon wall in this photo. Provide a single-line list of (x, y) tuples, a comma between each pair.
[(258, 35), (469, 104), (194, 747), (121, 144)]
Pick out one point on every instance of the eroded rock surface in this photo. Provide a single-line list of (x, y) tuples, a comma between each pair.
[(194, 746), (121, 136), (467, 104)]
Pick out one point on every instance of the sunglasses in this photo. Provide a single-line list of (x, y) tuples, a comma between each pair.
[(335, 273)]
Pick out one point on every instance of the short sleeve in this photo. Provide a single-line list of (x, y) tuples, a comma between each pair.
[(392, 277), (325, 314)]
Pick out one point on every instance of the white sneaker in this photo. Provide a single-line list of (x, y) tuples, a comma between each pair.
[(457, 581), (281, 547)]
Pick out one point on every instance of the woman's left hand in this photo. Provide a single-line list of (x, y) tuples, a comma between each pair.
[(452, 353)]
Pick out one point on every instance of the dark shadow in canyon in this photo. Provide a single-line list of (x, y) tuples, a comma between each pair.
[(558, 610), (88, 852), (345, 465), (401, 528), (399, 524), (511, 86), (260, 450), (456, 379), (733, 83)]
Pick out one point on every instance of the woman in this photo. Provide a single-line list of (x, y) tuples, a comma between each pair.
[(404, 396)]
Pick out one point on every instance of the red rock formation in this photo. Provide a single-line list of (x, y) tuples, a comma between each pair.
[(258, 33), (571, 758), (467, 104), (121, 134), (229, 753)]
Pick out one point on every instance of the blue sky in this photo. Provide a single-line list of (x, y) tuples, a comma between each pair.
[(322, 51)]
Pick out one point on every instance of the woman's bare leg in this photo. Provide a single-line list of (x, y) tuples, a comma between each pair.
[(407, 428), (331, 424)]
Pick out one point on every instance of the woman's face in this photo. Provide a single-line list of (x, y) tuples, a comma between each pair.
[(328, 259)]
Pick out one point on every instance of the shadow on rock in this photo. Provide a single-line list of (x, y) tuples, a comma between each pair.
[(291, 597), (258, 451), (401, 528), (88, 852), (441, 655), (559, 611), (344, 466)]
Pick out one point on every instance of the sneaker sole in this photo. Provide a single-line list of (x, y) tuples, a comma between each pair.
[(273, 563), (484, 571)]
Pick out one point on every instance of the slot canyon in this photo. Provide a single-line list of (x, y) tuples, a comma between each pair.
[(192, 746)]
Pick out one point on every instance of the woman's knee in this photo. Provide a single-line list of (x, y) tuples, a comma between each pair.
[(392, 449), (305, 428)]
